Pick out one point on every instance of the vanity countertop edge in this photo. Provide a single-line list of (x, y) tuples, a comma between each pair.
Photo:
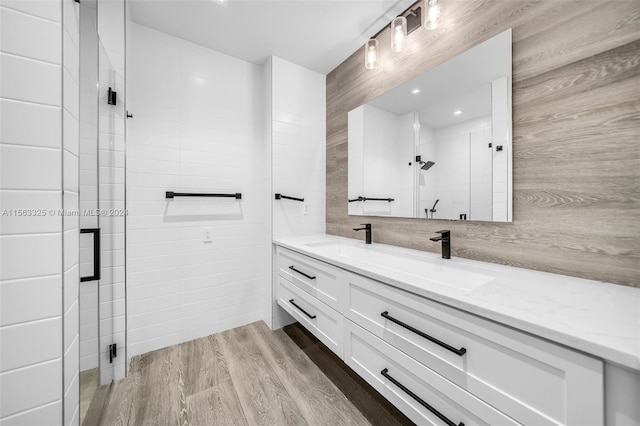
[(594, 317)]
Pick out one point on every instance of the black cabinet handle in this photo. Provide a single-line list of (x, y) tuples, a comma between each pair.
[(302, 310), (302, 273), (459, 352), (96, 254), (441, 416)]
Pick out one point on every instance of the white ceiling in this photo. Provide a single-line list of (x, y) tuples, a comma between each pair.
[(315, 34)]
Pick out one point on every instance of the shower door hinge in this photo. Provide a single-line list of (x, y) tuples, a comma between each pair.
[(490, 144), (113, 352), (111, 97)]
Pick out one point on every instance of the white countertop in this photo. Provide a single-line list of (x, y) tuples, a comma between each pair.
[(598, 318)]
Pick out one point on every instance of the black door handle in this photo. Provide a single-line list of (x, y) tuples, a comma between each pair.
[(96, 254), (419, 400), (302, 273), (459, 352), (302, 310)]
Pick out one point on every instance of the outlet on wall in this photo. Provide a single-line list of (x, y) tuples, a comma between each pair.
[(207, 235), (305, 208)]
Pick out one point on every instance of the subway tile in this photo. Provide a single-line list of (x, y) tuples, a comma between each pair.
[(30, 387), (71, 133), (70, 19), (30, 343), (70, 200), (71, 60), (18, 304), (37, 207), (25, 256), (72, 396), (38, 416), (39, 39), (71, 326), (17, 118), (71, 283), (29, 80), (29, 168), (71, 247), (47, 9), (70, 94), (70, 171)]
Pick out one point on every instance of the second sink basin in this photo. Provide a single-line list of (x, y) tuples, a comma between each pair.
[(427, 269)]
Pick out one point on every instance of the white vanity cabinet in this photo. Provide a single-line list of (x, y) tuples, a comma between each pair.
[(420, 353), (311, 291), (533, 381), (324, 282)]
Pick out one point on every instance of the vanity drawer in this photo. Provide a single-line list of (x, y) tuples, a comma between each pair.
[(375, 361), (324, 322), (531, 380), (313, 276)]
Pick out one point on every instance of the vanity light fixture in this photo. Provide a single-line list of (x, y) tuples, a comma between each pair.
[(404, 24), (398, 33), (457, 112), (371, 54), (415, 91), (433, 12)]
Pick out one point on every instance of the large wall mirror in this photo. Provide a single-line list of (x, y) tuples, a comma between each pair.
[(438, 146)]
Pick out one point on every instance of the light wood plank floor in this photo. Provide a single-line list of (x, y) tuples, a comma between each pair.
[(246, 376)]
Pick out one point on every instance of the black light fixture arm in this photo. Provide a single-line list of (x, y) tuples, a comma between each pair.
[(415, 12)]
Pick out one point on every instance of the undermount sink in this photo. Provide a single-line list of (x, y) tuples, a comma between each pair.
[(425, 269)]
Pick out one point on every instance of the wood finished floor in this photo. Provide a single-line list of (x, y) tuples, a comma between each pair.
[(246, 376)]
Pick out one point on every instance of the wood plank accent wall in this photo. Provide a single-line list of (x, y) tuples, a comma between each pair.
[(576, 135)]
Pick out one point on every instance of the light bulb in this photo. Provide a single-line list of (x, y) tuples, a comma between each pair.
[(370, 54), (398, 33), (434, 11)]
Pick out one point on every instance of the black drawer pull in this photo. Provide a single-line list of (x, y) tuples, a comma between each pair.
[(303, 311), (302, 273), (441, 416), (459, 352)]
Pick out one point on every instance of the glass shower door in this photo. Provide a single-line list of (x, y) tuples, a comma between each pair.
[(102, 199)]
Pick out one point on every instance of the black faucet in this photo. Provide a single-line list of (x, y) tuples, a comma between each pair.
[(367, 228), (445, 237)]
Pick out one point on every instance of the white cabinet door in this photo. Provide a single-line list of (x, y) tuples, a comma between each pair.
[(412, 387), (529, 379), (319, 279), (324, 322)]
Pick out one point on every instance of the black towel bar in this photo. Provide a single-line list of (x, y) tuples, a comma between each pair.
[(279, 196), (171, 194), (360, 198)]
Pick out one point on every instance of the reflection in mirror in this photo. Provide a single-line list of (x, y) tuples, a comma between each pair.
[(438, 146)]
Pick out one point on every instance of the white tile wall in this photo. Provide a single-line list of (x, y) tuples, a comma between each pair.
[(501, 108), (197, 126), (297, 111), (38, 86), (459, 170)]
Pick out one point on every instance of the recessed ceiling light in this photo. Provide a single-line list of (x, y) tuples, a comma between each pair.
[(415, 91), (457, 112)]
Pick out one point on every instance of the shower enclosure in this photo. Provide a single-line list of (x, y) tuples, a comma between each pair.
[(102, 206)]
